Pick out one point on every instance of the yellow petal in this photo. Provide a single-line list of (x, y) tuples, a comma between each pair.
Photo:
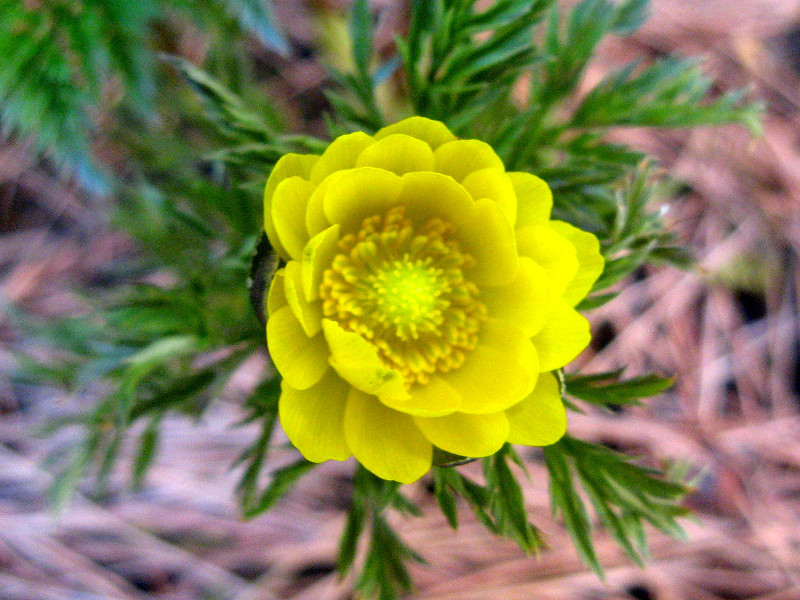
[(302, 361), (434, 133), (459, 158), (289, 165), (534, 199), (309, 314), (552, 251), (358, 194), (399, 154), (590, 261), (289, 214), (498, 373), (488, 237), (318, 256), (342, 153), (276, 298), (525, 301), (358, 363), (434, 399), (502, 335), (429, 195), (466, 435), (316, 221), (540, 419), (481, 226), (386, 442), (564, 336), (313, 419), (495, 185)]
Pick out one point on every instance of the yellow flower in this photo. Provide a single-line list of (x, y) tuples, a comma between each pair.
[(425, 300)]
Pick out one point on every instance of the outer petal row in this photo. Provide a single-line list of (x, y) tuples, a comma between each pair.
[(289, 165), (564, 336), (287, 341), (590, 261), (552, 251), (534, 199), (314, 418), (289, 203), (467, 435), (459, 158), (385, 441), (342, 153), (540, 419), (330, 420)]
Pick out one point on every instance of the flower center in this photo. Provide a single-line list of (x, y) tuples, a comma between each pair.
[(406, 295), (402, 288)]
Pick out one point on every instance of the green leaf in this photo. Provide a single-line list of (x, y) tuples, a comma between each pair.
[(449, 74), (677, 256), (404, 505), (595, 301), (66, 481), (174, 395), (384, 573), (612, 391), (232, 117), (630, 16), (507, 503), (623, 495), (282, 481), (257, 16), (444, 497), (148, 444), (361, 36), (263, 404), (668, 93), (566, 502), (56, 61), (162, 350), (348, 544)]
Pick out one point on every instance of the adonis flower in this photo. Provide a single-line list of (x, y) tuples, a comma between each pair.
[(425, 301)]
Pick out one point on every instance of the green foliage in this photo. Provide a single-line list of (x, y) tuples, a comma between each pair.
[(384, 574), (355, 104), (64, 61), (498, 504), (57, 58), (668, 93), (624, 497), (606, 389), (453, 79), (167, 349)]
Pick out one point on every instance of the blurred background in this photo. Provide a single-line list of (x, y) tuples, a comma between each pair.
[(727, 330)]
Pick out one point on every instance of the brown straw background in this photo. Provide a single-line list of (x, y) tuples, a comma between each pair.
[(728, 331)]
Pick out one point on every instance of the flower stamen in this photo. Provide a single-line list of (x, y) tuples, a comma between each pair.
[(403, 289)]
